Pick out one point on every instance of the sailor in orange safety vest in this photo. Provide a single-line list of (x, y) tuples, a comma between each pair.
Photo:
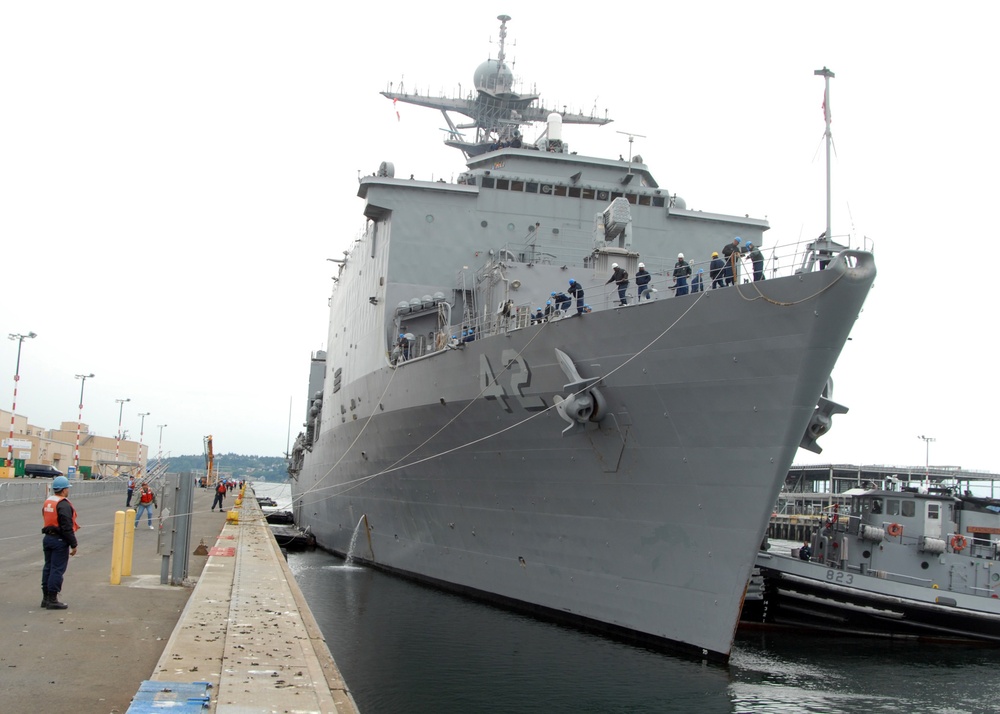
[(220, 493), (147, 501), (59, 527)]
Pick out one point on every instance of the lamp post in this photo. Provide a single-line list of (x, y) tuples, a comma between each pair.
[(927, 457), (17, 377), (142, 426), (159, 453), (79, 422), (118, 441)]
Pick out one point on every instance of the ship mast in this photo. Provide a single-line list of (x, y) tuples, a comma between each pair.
[(501, 56), (827, 75)]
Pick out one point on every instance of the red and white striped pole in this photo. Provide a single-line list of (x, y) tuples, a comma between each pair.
[(118, 441), (17, 377), (138, 457), (79, 423)]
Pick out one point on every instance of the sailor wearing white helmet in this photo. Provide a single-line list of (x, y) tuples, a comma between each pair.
[(642, 278), (620, 277), (682, 271)]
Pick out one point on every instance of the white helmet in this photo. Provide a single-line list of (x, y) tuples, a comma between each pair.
[(680, 256), (614, 265), (642, 265)]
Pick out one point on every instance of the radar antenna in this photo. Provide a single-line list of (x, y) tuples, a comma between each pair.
[(631, 138)]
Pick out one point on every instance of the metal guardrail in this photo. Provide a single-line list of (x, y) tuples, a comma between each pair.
[(13, 491)]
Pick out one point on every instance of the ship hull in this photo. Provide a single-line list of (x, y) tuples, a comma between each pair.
[(645, 524)]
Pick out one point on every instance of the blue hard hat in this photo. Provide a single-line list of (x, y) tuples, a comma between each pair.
[(571, 281), (701, 270), (737, 239), (552, 294), (401, 334), (749, 244), (538, 308), (59, 483)]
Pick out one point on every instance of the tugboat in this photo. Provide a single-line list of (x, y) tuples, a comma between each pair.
[(892, 563)]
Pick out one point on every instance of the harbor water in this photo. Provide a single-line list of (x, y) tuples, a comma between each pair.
[(405, 647)]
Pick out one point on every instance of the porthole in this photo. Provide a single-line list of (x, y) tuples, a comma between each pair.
[(483, 224), (510, 226), (429, 218), (924, 565)]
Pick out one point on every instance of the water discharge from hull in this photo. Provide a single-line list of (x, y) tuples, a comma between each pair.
[(349, 559)]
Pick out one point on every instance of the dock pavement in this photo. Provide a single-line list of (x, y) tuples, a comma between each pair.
[(239, 622)]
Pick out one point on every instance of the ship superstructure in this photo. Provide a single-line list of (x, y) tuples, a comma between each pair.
[(610, 464)]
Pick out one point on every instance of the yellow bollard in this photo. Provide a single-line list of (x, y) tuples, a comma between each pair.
[(129, 542), (233, 517), (116, 548)]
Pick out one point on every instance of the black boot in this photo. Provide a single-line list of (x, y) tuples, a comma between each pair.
[(54, 603), (45, 599)]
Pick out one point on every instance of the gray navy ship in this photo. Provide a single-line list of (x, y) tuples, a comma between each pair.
[(606, 461)]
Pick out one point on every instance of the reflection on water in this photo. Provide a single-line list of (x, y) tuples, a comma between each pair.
[(788, 672), (404, 647)]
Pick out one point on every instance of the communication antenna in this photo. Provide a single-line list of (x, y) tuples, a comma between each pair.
[(631, 138)]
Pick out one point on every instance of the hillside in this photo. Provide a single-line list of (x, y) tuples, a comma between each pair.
[(254, 468)]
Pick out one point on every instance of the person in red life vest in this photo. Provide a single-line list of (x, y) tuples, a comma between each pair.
[(147, 500), (220, 493), (59, 542)]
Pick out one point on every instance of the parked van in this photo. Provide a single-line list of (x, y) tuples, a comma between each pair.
[(41, 470)]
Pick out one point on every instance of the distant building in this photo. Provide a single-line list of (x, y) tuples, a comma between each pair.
[(38, 445)]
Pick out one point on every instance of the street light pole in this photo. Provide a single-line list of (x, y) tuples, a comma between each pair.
[(17, 377), (118, 441), (927, 458), (142, 426), (79, 422), (159, 453)]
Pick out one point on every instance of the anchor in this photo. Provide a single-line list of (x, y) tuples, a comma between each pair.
[(585, 402), (821, 420)]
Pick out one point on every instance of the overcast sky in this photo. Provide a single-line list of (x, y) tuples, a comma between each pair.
[(173, 177)]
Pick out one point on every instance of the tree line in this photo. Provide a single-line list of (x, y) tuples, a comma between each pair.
[(240, 466)]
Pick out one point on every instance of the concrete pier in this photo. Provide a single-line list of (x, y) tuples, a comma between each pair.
[(248, 631), (240, 624)]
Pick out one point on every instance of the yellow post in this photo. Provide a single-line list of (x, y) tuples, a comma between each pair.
[(116, 548), (129, 542)]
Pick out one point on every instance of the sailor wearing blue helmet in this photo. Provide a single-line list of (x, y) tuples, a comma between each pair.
[(576, 290), (59, 527), (697, 282)]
